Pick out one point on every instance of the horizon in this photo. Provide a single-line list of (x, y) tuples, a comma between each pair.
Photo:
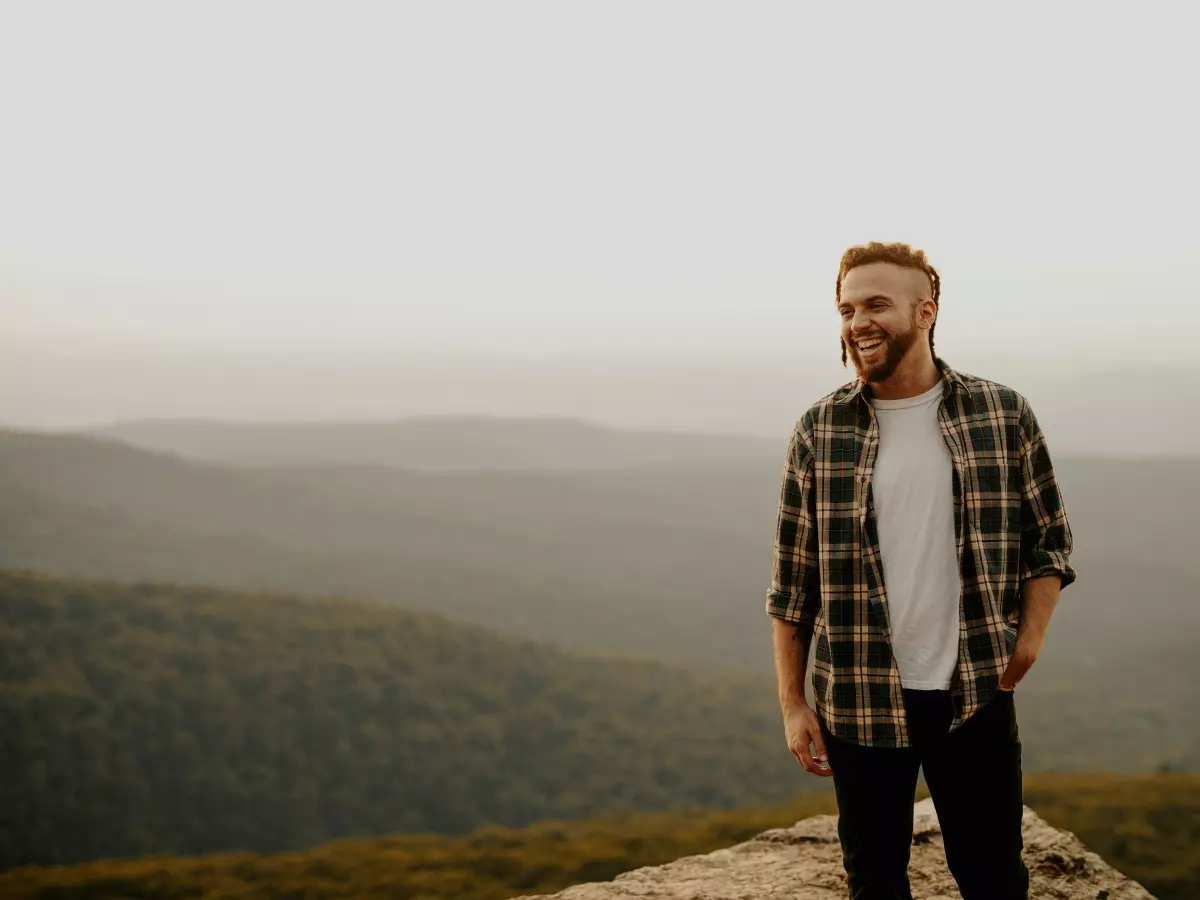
[(82, 389), (118, 430)]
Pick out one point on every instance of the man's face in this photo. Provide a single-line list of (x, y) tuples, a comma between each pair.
[(882, 306)]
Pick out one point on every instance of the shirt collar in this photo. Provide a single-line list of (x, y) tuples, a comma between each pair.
[(951, 379)]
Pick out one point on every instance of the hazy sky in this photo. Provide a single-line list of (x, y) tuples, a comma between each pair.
[(645, 179)]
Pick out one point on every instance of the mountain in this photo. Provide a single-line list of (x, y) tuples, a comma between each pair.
[(147, 719), (666, 561), (436, 444), (609, 560), (1125, 508)]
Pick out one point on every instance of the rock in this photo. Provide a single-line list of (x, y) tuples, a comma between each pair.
[(804, 862)]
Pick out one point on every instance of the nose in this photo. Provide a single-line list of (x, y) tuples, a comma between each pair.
[(859, 321)]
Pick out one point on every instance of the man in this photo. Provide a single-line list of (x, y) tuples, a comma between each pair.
[(922, 541)]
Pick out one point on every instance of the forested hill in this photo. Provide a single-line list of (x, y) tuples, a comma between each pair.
[(662, 562), (138, 719)]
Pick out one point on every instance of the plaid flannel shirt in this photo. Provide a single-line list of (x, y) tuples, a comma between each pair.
[(827, 573)]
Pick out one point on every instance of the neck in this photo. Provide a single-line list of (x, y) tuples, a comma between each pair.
[(916, 374)]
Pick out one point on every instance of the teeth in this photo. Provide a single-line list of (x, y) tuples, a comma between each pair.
[(870, 345)]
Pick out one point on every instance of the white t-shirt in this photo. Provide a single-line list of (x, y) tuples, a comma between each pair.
[(913, 490)]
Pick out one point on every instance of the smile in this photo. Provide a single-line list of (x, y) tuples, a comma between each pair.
[(868, 345)]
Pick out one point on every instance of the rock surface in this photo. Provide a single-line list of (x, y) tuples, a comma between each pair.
[(804, 862)]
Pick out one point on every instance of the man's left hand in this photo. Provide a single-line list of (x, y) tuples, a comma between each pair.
[(1022, 660)]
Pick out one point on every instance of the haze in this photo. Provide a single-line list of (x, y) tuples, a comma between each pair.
[(624, 212)]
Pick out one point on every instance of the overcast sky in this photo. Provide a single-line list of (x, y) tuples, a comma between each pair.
[(611, 179)]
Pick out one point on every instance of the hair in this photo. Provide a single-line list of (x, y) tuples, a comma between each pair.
[(897, 254)]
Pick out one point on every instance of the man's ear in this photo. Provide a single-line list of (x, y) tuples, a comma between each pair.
[(926, 313)]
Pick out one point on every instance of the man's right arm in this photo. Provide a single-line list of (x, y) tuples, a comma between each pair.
[(795, 594), (793, 601), (791, 644), (801, 725)]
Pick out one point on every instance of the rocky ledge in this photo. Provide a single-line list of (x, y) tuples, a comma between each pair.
[(804, 862)]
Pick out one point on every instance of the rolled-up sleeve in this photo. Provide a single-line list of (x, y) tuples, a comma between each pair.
[(1046, 541), (795, 593)]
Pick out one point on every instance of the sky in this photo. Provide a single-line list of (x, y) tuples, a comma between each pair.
[(625, 183)]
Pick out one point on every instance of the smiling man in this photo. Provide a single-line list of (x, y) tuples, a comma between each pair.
[(922, 542)]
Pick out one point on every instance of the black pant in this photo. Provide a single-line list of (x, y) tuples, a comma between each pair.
[(974, 778)]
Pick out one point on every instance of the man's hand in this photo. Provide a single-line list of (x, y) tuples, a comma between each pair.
[(801, 728), (1038, 598), (1022, 660)]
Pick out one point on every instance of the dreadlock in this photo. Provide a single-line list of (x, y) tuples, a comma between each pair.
[(900, 255)]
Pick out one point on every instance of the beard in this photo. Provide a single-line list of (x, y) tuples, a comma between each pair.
[(896, 347)]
